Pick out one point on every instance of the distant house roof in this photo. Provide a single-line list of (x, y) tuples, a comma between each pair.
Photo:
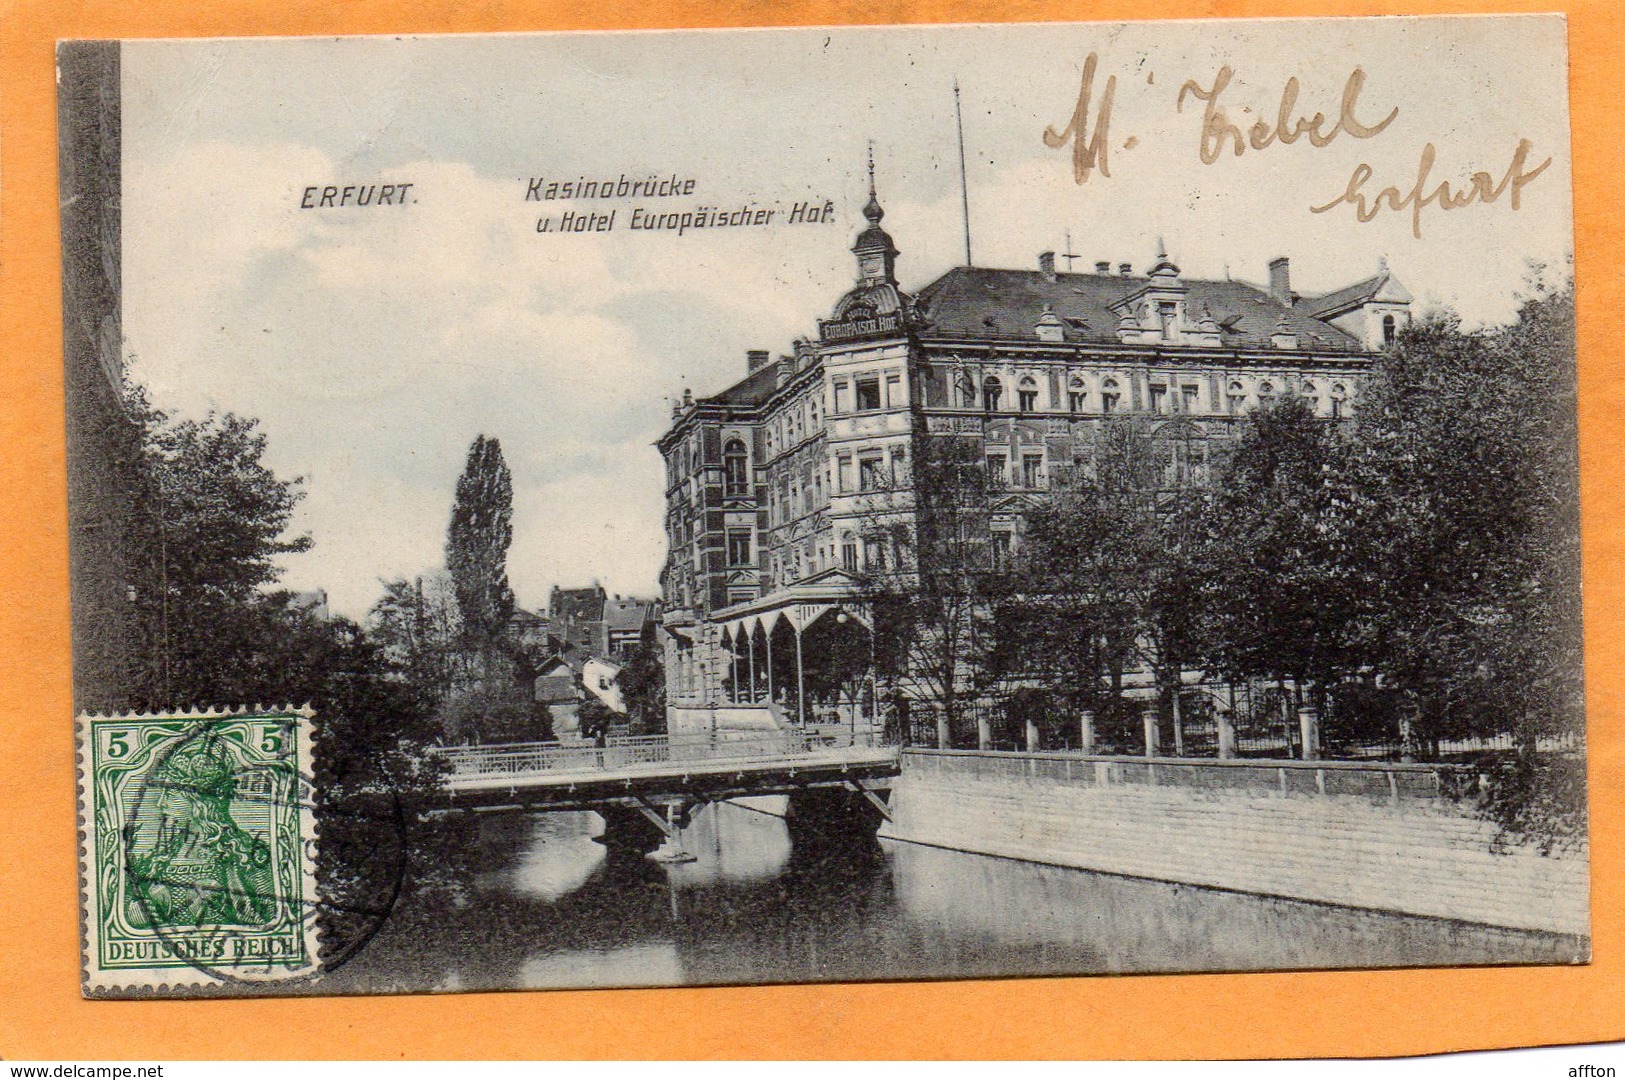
[(557, 689), (973, 302), (628, 613), (1380, 286), (581, 605), (753, 389)]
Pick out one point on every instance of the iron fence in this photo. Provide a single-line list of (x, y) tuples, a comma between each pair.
[(1263, 720), (526, 759)]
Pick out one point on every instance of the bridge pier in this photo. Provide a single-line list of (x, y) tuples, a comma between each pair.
[(628, 832), (826, 818)]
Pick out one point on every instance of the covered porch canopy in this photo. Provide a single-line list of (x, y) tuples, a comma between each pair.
[(809, 640)]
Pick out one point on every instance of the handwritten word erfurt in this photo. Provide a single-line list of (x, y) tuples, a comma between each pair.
[(1482, 188)]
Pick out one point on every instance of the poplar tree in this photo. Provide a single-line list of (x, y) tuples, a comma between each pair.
[(477, 542)]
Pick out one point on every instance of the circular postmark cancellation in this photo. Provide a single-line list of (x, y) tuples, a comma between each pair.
[(202, 856)]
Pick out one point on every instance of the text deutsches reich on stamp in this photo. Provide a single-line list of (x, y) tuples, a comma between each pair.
[(197, 849)]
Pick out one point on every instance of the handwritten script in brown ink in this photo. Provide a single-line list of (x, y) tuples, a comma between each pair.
[(1088, 149), (1481, 188), (1218, 128)]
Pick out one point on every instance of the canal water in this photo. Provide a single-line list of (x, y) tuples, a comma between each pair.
[(549, 909)]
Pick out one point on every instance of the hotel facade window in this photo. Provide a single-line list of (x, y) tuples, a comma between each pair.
[(874, 553), (1077, 396), (991, 392), (1027, 395), (736, 468), (996, 471), (868, 394), (871, 473), (739, 547), (1002, 545), (1110, 396), (1032, 470)]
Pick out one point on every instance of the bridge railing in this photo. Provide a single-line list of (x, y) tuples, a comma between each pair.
[(529, 759)]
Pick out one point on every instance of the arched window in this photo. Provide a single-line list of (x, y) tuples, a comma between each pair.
[(1340, 396), (1027, 394), (1312, 393), (991, 392), (1077, 395), (735, 468), (1110, 396), (1236, 396), (1266, 393), (1390, 329)]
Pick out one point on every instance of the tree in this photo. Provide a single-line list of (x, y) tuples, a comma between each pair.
[(933, 596), (1280, 599), (418, 626), (491, 694), (643, 686), (211, 523), (1116, 549), (477, 542), (1465, 528)]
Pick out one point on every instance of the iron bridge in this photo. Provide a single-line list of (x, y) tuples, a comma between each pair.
[(661, 777)]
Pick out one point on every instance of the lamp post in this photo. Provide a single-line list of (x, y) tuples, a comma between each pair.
[(841, 619)]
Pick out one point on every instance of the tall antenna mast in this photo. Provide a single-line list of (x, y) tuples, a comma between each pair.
[(964, 190), (1067, 254)]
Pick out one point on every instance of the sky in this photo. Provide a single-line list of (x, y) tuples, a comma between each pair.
[(375, 343)]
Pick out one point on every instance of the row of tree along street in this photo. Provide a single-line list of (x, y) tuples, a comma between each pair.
[(1413, 573)]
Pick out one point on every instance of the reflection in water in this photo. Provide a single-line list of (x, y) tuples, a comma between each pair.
[(548, 908)]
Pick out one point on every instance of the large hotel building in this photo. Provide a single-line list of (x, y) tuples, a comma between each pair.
[(772, 485)]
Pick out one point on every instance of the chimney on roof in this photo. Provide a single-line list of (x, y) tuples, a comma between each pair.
[(1125, 269), (1104, 266), (755, 359), (1281, 279), (1046, 264)]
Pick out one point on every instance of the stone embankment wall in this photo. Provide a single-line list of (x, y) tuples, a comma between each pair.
[(1367, 836)]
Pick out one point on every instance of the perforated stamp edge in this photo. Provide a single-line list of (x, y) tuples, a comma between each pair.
[(191, 979)]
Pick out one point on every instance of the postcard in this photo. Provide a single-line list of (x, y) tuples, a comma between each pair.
[(827, 504)]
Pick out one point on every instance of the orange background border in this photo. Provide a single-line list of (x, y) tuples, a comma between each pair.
[(1266, 1015)]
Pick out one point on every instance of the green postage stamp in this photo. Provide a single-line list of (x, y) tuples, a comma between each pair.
[(197, 856)]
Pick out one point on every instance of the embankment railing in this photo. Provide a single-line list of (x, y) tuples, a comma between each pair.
[(1370, 779)]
